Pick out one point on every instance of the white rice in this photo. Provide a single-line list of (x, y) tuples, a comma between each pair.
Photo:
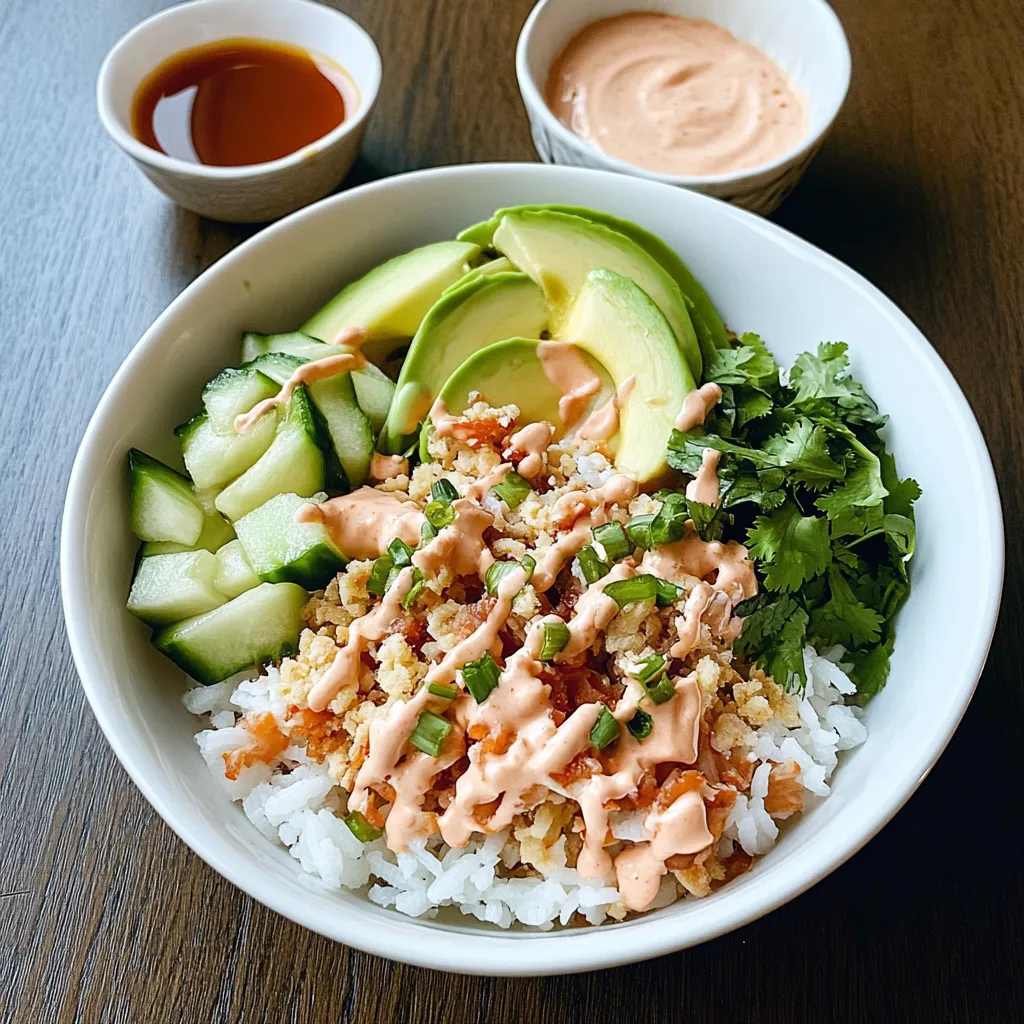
[(297, 804)]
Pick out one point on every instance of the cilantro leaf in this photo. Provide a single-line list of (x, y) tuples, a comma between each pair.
[(843, 619), (871, 669), (750, 363), (794, 548), (862, 488), (751, 404), (708, 520), (823, 379), (803, 450)]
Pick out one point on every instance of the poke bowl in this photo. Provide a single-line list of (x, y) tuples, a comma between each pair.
[(530, 702)]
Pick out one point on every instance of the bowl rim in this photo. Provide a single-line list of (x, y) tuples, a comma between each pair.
[(537, 107), (139, 151), (518, 953)]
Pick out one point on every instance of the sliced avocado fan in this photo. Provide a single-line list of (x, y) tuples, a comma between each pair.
[(484, 310)]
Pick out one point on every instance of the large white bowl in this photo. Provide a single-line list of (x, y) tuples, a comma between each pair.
[(762, 279)]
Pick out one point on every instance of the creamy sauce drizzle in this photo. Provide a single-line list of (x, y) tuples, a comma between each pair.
[(704, 486), (532, 443), (696, 406), (309, 373), (387, 467), (675, 95), (574, 380), (603, 423), (363, 523), (460, 545)]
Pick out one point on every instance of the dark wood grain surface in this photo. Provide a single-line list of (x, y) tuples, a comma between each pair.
[(105, 916)]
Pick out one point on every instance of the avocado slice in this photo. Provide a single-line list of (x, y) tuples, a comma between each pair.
[(393, 298), (558, 250), (707, 323), (500, 265), (510, 371), (485, 310), (619, 325)]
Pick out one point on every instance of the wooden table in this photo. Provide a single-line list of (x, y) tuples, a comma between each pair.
[(106, 916)]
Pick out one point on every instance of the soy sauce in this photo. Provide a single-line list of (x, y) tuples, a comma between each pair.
[(239, 101)]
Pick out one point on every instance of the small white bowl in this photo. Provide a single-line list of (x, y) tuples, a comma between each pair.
[(804, 37), (762, 279), (255, 192)]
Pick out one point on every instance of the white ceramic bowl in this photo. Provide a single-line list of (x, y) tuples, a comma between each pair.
[(762, 279), (256, 192), (804, 37)]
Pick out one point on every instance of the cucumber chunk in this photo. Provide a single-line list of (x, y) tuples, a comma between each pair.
[(347, 426), (164, 507), (374, 388), (278, 366), (215, 459), (234, 573), (216, 532), (168, 588), (259, 626), (282, 550), (292, 463), (233, 392)]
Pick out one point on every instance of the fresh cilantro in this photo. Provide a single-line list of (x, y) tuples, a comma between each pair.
[(803, 450), (792, 548), (843, 619), (708, 520), (748, 362)]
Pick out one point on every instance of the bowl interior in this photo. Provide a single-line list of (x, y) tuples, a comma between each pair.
[(802, 36), (311, 26), (763, 280)]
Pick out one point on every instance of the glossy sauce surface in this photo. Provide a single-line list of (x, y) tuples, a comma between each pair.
[(240, 101)]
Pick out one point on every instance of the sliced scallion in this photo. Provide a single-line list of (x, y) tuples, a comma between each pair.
[(512, 489), (377, 584), (663, 691), (439, 514), (361, 828), (612, 537), (442, 690), (443, 491), (639, 588), (481, 677), (400, 552), (418, 583), (499, 570), (605, 729), (649, 670), (556, 636), (590, 565), (638, 530), (427, 532), (430, 733), (640, 725), (668, 593)]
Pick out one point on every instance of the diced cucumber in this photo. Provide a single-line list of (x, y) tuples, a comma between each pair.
[(292, 463), (233, 392), (259, 626), (282, 550), (234, 573), (374, 391), (278, 366), (164, 506), (216, 532), (349, 429), (374, 388), (216, 459), (168, 588)]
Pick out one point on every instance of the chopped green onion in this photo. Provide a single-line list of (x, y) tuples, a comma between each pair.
[(670, 522), (638, 530), (361, 828), (427, 532), (556, 636), (612, 537), (400, 552), (441, 690), (512, 489), (665, 690), (529, 563), (439, 514), (379, 582), (443, 491), (640, 725), (605, 729), (430, 733), (418, 583), (499, 570), (650, 669), (392, 576), (480, 677), (639, 588), (668, 593), (591, 565)]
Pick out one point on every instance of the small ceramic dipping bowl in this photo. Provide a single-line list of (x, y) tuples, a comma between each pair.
[(255, 192), (804, 37)]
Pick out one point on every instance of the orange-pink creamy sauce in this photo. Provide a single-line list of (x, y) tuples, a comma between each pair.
[(675, 95)]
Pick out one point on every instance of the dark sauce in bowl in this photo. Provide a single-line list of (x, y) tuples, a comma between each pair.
[(240, 101)]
